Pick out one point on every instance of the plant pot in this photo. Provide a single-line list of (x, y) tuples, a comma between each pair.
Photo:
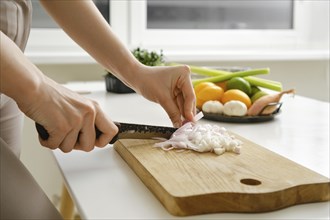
[(113, 84)]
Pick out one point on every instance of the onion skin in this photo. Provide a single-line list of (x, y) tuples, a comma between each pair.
[(262, 102)]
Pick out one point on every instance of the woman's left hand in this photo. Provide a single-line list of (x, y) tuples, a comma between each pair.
[(171, 87)]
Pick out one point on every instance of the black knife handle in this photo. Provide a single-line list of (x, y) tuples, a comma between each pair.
[(44, 135), (114, 139)]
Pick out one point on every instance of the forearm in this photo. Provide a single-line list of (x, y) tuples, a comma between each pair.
[(85, 25), (19, 78), (169, 86), (69, 118)]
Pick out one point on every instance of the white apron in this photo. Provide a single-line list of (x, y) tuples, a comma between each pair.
[(15, 22)]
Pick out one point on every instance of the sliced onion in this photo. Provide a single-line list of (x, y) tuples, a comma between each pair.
[(201, 138)]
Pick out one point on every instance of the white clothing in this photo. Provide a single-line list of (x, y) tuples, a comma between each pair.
[(15, 20)]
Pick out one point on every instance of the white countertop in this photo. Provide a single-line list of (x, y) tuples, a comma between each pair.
[(104, 187)]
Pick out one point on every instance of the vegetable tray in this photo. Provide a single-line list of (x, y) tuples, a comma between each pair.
[(239, 119), (191, 183)]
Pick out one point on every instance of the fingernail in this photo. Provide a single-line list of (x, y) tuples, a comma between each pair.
[(176, 124)]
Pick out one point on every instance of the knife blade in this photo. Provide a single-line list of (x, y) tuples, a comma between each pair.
[(126, 131), (141, 131)]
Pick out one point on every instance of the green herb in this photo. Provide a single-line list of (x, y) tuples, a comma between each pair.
[(149, 58)]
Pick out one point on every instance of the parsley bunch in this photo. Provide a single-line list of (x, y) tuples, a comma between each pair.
[(149, 58)]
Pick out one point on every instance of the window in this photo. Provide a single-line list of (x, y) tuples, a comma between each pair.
[(214, 14), (196, 29), (42, 47), (40, 19), (214, 25)]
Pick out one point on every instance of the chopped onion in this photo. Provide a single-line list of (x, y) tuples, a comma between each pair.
[(202, 138)]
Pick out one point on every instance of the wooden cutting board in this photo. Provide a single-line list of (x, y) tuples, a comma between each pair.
[(191, 183)]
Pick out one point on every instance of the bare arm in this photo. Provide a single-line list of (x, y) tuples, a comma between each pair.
[(64, 114), (169, 86), (82, 21), (16, 72)]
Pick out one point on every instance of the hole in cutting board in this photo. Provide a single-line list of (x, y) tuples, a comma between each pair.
[(251, 182)]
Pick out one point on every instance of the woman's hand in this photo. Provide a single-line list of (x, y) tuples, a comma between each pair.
[(171, 87), (70, 119)]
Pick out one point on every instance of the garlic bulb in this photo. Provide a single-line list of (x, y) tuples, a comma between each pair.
[(235, 108), (213, 107)]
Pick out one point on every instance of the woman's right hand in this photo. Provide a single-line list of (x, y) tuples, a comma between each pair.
[(69, 118)]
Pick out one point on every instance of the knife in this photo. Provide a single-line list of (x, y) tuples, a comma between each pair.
[(126, 131)]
